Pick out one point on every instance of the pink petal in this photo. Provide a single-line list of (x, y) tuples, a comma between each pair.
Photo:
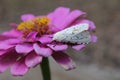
[(59, 15), (7, 59), (78, 47), (24, 48), (91, 24), (12, 33), (58, 47), (19, 68), (42, 51), (45, 39), (94, 38), (33, 59), (13, 25), (51, 17), (4, 46), (27, 17), (13, 41), (70, 18), (32, 36), (64, 60), (2, 52), (2, 37)]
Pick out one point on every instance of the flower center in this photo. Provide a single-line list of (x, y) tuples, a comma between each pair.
[(39, 25)]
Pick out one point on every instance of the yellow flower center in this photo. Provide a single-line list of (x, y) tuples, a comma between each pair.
[(39, 24)]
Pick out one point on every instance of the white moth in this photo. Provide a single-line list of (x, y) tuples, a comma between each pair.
[(75, 34)]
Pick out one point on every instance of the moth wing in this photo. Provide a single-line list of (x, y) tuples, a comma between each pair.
[(75, 34), (81, 38)]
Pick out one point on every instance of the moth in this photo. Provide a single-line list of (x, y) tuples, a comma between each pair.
[(78, 34)]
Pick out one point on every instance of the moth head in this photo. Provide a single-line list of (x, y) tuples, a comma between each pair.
[(58, 36)]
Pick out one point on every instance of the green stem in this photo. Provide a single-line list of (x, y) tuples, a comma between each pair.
[(45, 69)]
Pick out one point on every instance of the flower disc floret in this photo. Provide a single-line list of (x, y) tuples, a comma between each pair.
[(39, 24)]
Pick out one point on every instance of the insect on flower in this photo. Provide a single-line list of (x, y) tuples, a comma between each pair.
[(37, 37), (78, 34)]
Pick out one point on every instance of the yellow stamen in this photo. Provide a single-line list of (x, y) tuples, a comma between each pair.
[(25, 25), (39, 24), (41, 21)]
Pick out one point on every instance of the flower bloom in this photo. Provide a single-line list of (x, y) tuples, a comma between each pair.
[(27, 43)]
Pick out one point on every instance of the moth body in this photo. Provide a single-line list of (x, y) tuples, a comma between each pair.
[(75, 34)]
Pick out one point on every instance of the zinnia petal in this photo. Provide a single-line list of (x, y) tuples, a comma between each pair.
[(78, 47), (19, 68), (94, 38), (2, 52), (42, 50), (13, 41), (45, 39), (33, 59), (64, 60), (7, 59), (51, 17), (2, 37), (4, 46), (58, 47), (13, 25), (63, 13), (24, 48), (27, 17), (55, 19), (91, 24), (70, 18), (12, 33), (31, 36)]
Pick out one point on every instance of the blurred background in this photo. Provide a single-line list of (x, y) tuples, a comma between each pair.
[(99, 61)]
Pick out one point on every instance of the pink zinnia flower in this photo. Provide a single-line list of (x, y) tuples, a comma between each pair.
[(29, 42)]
